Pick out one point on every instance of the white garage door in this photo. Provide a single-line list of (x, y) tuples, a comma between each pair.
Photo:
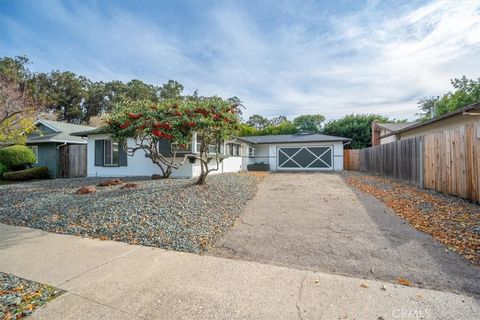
[(305, 158)]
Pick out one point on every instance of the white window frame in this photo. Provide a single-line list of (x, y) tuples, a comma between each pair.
[(35, 151), (233, 149), (251, 151), (111, 164), (187, 150)]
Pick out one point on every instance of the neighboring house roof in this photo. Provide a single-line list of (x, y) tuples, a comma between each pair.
[(395, 126), (85, 133), (292, 138), (62, 132), (475, 107)]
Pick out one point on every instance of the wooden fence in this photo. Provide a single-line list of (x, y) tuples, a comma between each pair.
[(73, 161), (446, 161), (351, 159)]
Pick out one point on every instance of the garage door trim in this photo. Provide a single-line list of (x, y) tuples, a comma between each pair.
[(328, 166)]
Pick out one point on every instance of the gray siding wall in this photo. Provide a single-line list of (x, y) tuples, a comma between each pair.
[(48, 157), (41, 130)]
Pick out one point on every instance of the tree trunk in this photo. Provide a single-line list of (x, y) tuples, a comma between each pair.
[(167, 173), (203, 173)]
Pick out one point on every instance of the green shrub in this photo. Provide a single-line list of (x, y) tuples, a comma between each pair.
[(16, 157), (27, 174), (3, 168)]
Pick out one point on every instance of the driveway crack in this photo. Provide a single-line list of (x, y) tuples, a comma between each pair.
[(106, 305), (98, 266), (300, 292)]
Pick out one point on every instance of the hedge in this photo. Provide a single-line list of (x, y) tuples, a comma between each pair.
[(17, 156), (28, 174), (3, 168)]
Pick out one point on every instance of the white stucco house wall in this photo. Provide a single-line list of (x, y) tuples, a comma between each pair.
[(297, 152)]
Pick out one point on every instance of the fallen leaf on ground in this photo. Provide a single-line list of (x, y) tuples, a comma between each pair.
[(364, 285), (404, 282), (449, 219)]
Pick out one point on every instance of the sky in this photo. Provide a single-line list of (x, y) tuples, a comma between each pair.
[(280, 57)]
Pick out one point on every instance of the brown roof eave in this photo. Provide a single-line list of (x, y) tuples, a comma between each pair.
[(472, 106)]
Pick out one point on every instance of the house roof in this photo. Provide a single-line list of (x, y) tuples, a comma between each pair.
[(395, 126), (85, 133), (292, 138), (472, 107), (62, 132)]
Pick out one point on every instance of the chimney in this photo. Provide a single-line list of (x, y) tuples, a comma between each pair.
[(375, 133)]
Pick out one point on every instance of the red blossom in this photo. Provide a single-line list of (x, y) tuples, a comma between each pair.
[(192, 124), (125, 124), (157, 133), (134, 116), (202, 111)]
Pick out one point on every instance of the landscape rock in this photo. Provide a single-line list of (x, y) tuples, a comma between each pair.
[(129, 185), (86, 190), (109, 183)]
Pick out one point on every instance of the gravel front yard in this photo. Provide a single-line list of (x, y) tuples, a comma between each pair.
[(19, 297), (453, 221), (172, 214)]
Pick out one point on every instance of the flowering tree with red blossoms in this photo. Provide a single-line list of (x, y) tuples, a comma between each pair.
[(212, 119)]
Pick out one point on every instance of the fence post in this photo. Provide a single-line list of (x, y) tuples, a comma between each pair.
[(421, 164)]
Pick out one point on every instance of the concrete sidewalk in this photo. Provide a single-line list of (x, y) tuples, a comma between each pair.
[(112, 280)]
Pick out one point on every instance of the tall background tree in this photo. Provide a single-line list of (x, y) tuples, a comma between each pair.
[(309, 122), (260, 125), (171, 90), (466, 91), (357, 127), (18, 100), (74, 98)]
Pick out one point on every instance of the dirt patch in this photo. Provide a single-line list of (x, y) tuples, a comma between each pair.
[(452, 221)]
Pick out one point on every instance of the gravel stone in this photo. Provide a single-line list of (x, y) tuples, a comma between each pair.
[(172, 213)]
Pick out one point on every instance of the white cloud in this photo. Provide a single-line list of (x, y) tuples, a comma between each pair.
[(281, 58)]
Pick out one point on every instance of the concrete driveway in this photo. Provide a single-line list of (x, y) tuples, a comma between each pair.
[(316, 221)]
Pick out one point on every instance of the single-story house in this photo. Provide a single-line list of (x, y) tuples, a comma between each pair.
[(459, 118), (380, 129), (50, 138), (312, 152), (301, 151)]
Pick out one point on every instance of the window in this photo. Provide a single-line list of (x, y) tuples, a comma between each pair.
[(211, 148), (175, 147), (35, 151), (233, 150), (251, 151), (111, 153)]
